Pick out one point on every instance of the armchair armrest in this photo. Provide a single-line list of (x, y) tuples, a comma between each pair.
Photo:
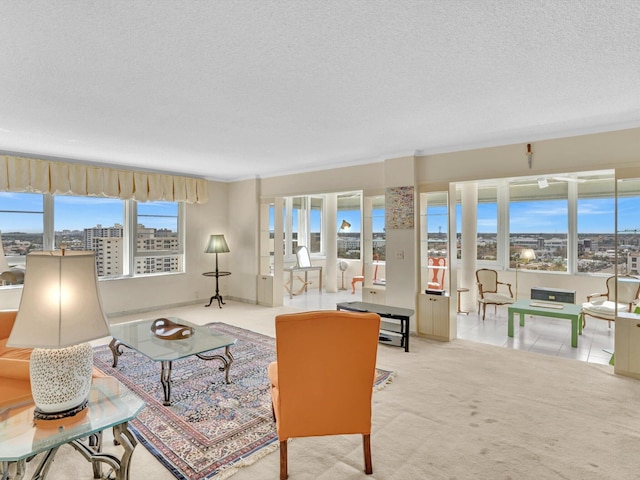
[(508, 285), (591, 295)]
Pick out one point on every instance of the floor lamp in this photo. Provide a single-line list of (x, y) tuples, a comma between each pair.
[(526, 254), (217, 244)]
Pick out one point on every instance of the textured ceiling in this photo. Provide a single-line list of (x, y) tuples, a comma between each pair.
[(236, 89)]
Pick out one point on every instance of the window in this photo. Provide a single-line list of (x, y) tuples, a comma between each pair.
[(437, 220), (21, 225), (30, 221), (296, 224), (304, 219), (95, 224), (315, 225), (596, 229), (158, 247), (539, 219), (349, 225), (378, 239), (568, 220), (628, 248), (434, 239), (487, 229)]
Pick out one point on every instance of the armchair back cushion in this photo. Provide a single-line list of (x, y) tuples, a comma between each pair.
[(323, 379)]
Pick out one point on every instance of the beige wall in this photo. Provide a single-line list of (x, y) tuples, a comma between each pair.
[(369, 177), (243, 235), (572, 154)]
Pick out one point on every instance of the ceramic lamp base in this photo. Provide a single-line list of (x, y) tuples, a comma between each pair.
[(61, 380)]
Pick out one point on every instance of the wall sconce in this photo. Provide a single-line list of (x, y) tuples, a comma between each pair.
[(529, 155)]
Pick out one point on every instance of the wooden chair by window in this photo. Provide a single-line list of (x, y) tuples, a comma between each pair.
[(360, 278), (604, 307), (438, 267), (322, 381), (487, 281)]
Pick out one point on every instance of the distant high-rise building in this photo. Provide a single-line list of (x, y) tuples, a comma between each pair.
[(100, 232), (108, 243), (108, 256)]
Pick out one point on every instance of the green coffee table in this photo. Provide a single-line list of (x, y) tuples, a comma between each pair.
[(568, 311)]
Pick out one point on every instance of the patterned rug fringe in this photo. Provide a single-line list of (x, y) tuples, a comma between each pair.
[(230, 470), (387, 381)]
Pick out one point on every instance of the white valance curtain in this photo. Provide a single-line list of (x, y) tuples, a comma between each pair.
[(19, 174)]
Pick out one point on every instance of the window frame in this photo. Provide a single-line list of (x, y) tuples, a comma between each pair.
[(572, 197), (130, 253)]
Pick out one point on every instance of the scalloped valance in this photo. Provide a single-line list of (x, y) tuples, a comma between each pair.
[(20, 174)]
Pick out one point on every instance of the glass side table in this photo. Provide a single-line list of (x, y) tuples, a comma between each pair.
[(111, 405)]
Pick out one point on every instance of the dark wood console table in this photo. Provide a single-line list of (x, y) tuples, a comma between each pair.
[(388, 330)]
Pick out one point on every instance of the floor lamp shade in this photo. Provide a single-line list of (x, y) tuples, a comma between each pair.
[(527, 254), (217, 244), (60, 311)]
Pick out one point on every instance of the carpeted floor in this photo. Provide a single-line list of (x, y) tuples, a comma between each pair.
[(210, 427), (455, 411)]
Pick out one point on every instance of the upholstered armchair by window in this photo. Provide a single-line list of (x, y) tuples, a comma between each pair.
[(322, 381), (603, 305), (488, 294)]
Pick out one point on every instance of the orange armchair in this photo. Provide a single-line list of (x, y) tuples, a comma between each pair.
[(15, 385), (322, 381), (15, 380)]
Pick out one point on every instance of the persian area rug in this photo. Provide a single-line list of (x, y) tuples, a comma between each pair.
[(211, 429)]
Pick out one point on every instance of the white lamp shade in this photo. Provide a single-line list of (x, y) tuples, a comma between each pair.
[(60, 303), (527, 254), (217, 244)]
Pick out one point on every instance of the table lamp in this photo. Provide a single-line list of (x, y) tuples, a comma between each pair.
[(60, 311), (526, 254)]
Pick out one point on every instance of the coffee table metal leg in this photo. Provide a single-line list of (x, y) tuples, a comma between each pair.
[(116, 350), (226, 360), (20, 470), (165, 379), (120, 466)]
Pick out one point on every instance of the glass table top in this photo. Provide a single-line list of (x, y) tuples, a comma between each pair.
[(138, 336), (110, 404)]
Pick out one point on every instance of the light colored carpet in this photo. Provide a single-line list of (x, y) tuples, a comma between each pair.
[(458, 410)]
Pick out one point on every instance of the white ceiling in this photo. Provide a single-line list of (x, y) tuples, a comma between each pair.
[(236, 89)]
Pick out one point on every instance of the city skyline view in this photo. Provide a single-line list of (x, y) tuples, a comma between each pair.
[(544, 216)]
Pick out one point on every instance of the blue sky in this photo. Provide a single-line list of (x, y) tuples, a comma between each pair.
[(77, 213)]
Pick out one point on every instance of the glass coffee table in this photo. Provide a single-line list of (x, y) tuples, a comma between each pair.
[(111, 405), (138, 336)]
